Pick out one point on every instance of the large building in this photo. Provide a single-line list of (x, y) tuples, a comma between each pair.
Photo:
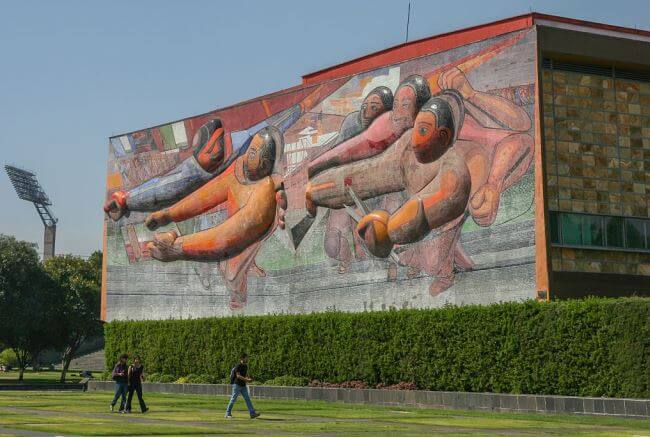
[(506, 161)]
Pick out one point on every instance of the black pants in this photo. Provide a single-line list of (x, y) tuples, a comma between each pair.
[(138, 389)]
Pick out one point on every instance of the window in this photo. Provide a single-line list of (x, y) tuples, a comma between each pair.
[(614, 231), (599, 231), (635, 233)]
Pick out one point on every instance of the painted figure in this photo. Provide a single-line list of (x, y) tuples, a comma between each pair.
[(490, 152), (422, 163), (339, 230), (209, 146), (253, 193), (214, 152), (382, 132)]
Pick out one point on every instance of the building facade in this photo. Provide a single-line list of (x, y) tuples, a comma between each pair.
[(507, 161)]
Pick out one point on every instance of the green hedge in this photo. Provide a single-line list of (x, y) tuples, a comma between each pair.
[(592, 347)]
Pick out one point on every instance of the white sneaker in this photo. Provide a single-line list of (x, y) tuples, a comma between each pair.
[(228, 416)]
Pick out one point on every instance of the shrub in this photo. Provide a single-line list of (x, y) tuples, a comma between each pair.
[(591, 347), (288, 381), (201, 379), (160, 377), (8, 358)]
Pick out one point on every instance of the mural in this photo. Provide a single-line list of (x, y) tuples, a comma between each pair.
[(401, 186)]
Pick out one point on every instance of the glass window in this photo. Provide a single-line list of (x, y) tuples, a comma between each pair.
[(599, 231), (635, 234), (555, 227), (571, 228), (614, 230), (592, 230)]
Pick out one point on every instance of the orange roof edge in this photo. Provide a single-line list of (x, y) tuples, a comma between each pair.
[(446, 41)]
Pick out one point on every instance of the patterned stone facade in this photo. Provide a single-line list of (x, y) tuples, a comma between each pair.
[(597, 151)]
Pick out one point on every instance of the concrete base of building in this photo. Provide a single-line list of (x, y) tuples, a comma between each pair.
[(419, 398)]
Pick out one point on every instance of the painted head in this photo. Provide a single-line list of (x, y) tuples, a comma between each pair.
[(410, 95), (378, 101), (263, 154), (434, 131), (209, 145)]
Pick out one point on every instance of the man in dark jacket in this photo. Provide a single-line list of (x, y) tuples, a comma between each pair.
[(238, 379), (120, 377)]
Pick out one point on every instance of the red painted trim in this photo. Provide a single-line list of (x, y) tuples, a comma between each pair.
[(446, 41)]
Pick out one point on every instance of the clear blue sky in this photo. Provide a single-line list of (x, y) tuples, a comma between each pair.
[(73, 73)]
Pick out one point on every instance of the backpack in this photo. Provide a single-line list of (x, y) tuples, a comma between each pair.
[(233, 375)]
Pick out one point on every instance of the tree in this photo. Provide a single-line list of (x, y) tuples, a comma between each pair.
[(30, 303), (80, 281)]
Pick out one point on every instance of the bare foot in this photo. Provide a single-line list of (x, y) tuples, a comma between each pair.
[(440, 284)]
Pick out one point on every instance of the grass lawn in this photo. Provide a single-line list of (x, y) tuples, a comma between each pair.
[(40, 377), (65, 413)]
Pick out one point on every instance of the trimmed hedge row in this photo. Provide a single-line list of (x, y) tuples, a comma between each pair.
[(592, 347)]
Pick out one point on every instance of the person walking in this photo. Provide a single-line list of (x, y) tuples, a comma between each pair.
[(121, 380), (238, 378), (135, 378)]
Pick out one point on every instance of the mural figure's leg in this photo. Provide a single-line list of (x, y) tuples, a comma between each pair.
[(462, 260), (438, 256), (335, 242)]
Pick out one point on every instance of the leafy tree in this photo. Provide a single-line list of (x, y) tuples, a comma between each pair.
[(80, 282), (30, 303)]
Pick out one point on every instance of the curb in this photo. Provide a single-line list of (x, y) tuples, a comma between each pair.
[(638, 408)]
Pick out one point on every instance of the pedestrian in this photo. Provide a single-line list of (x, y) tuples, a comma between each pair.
[(121, 380), (238, 378), (135, 378)]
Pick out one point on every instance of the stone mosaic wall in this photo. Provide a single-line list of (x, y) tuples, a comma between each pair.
[(597, 151)]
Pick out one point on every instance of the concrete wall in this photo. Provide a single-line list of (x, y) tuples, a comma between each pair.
[(489, 262)]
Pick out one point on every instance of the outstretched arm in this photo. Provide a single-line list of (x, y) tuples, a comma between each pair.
[(205, 198), (499, 110), (437, 204), (368, 178), (190, 174), (245, 227), (379, 135)]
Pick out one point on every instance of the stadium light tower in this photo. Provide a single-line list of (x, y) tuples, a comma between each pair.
[(28, 188)]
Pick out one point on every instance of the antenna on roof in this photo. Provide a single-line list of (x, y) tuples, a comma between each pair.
[(408, 21)]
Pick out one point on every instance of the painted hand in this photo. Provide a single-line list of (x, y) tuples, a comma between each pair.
[(373, 230), (311, 207), (281, 201), (484, 205), (115, 206), (166, 246), (456, 79), (157, 219)]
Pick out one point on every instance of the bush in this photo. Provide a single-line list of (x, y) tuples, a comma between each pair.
[(288, 381), (202, 379), (160, 377), (591, 347), (8, 358)]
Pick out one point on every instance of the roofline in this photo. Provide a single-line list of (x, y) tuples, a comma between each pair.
[(445, 41)]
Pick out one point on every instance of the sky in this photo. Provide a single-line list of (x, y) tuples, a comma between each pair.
[(73, 73)]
